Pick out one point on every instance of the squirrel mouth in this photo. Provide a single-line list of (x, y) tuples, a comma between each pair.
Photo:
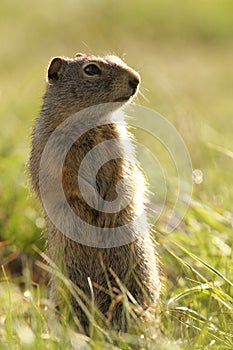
[(122, 99), (126, 98)]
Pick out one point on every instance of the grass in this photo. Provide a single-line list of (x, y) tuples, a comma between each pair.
[(184, 54)]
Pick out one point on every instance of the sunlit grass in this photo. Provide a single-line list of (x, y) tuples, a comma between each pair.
[(195, 310)]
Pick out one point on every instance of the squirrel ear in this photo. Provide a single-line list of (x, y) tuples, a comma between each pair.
[(79, 54), (54, 70)]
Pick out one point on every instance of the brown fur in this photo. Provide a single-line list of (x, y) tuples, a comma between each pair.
[(70, 90)]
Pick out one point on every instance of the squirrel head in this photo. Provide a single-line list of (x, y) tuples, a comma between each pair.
[(89, 80)]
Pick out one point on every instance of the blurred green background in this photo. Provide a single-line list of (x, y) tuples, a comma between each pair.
[(184, 53)]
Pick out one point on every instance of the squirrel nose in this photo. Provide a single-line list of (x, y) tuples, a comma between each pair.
[(133, 82)]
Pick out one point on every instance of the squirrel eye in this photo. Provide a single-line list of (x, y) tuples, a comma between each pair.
[(92, 69)]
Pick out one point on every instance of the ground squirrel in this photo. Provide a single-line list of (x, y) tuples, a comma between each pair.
[(74, 85)]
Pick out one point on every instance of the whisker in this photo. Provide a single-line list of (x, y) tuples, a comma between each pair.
[(143, 96)]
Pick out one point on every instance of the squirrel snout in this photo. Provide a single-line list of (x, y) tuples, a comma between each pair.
[(133, 83)]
